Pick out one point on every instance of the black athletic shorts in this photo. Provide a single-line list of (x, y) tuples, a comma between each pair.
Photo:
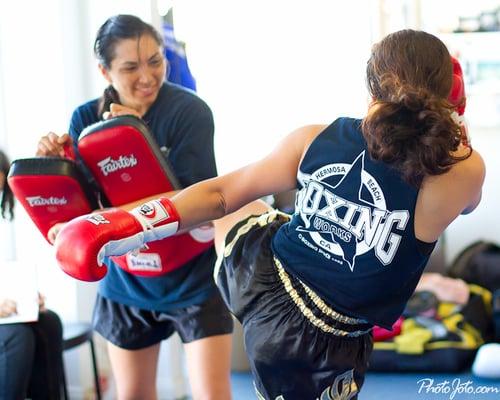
[(299, 348), (133, 328)]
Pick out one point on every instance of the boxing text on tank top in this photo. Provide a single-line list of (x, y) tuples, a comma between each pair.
[(351, 237)]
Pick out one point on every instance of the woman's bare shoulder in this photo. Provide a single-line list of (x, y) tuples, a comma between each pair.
[(306, 135), (442, 198), (469, 171)]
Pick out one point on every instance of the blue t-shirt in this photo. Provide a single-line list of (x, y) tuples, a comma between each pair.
[(182, 125), (351, 237)]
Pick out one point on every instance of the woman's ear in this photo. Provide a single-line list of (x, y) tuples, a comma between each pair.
[(105, 73)]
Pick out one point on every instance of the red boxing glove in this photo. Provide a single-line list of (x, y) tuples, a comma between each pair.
[(458, 99), (457, 94), (83, 243)]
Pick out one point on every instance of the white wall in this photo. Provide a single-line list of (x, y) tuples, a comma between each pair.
[(266, 67), (34, 103)]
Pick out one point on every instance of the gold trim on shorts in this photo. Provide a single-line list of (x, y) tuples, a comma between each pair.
[(307, 312), (325, 309)]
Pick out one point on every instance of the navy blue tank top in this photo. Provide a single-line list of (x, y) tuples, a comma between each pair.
[(351, 237)]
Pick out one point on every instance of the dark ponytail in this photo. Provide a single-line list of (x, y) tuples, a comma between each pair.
[(114, 30), (7, 198), (409, 123)]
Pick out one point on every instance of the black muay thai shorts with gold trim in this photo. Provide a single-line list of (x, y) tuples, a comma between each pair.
[(298, 346)]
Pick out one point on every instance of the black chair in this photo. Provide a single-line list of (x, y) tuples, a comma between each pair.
[(75, 334)]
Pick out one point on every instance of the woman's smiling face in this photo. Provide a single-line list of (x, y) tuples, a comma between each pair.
[(137, 71)]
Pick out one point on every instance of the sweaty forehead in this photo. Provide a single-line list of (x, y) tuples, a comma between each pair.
[(135, 49)]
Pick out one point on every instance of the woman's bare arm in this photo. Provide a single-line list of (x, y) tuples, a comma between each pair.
[(275, 173)]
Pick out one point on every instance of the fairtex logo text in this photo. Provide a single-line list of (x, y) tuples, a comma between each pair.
[(109, 165), (37, 201)]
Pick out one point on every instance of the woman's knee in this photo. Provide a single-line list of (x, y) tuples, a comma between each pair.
[(134, 371), (209, 365)]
